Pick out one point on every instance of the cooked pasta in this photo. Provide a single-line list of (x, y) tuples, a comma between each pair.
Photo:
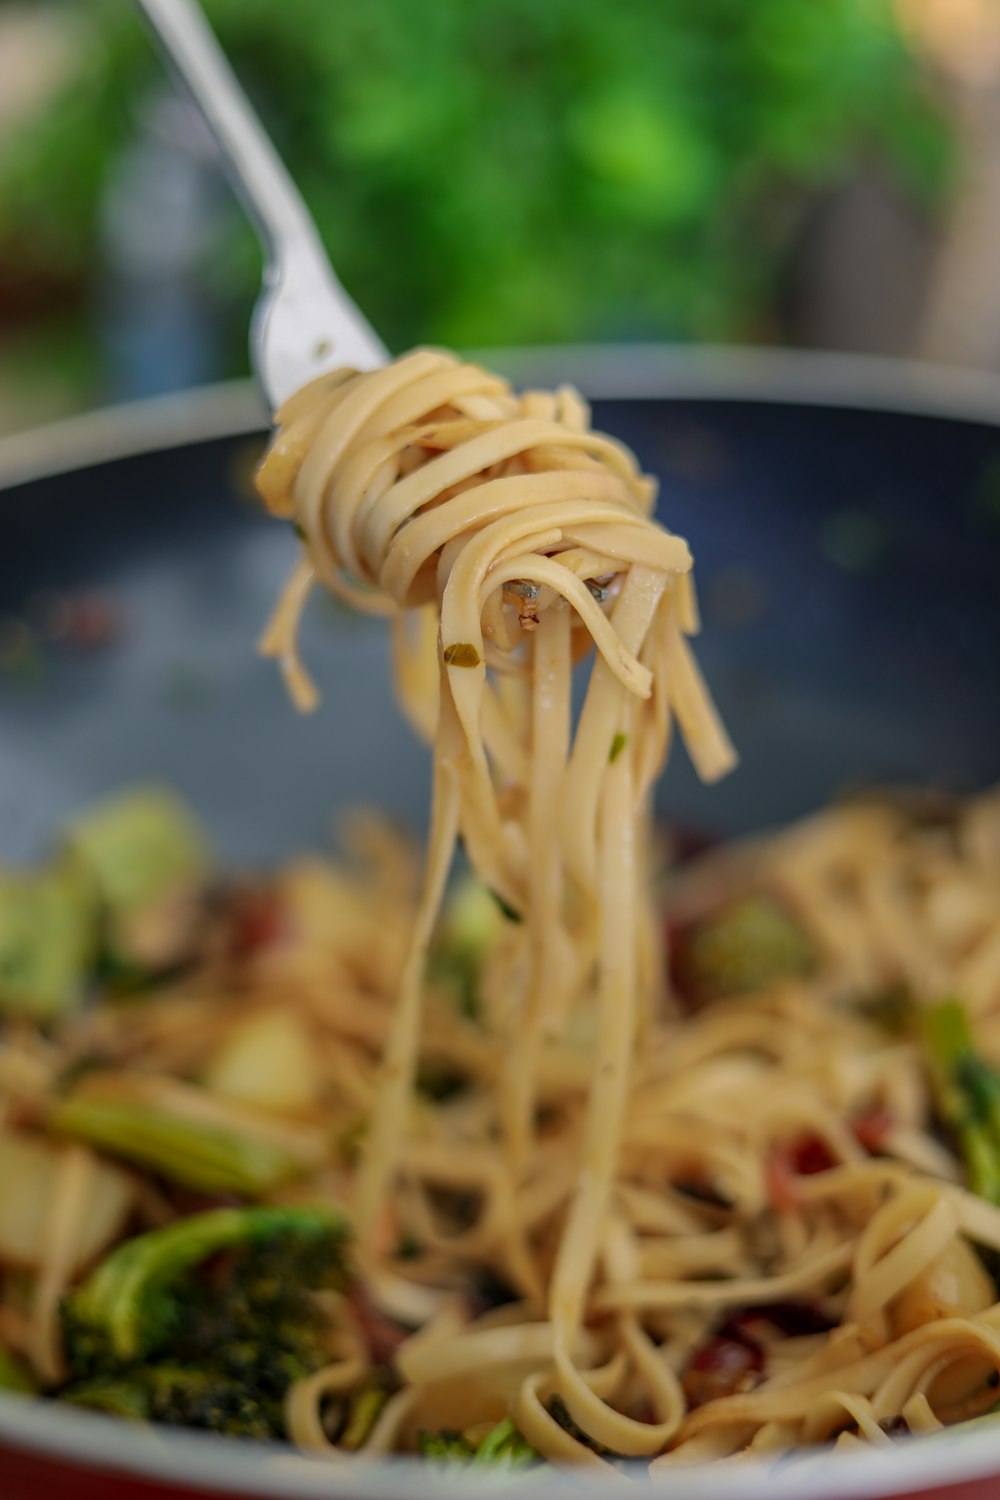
[(647, 1159), (522, 538)]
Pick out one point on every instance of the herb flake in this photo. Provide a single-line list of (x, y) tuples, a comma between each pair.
[(509, 911), (461, 654)]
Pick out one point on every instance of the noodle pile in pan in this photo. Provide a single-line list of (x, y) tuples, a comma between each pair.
[(644, 1158)]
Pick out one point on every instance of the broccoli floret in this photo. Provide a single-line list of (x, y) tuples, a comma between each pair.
[(505, 1448), (179, 1397), (245, 1401), (746, 944), (502, 1448), (448, 1446), (207, 1322), (967, 1094), (13, 1375)]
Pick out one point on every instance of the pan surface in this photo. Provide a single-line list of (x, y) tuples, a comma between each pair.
[(847, 558)]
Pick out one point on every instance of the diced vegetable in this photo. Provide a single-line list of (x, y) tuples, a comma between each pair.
[(362, 1412), (29, 1171), (139, 846), (46, 942), (473, 920), (13, 1376), (267, 1061), (743, 946), (502, 1448), (137, 1301), (954, 1285), (447, 1445), (208, 1321), (182, 1134), (127, 1398), (967, 1094)]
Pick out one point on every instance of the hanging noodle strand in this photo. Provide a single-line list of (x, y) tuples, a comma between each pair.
[(523, 539)]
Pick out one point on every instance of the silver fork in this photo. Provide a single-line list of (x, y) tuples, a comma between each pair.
[(304, 322)]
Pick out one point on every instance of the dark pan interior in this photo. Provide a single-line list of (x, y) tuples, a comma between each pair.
[(848, 567)]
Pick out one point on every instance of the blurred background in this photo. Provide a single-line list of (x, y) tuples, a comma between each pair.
[(818, 173)]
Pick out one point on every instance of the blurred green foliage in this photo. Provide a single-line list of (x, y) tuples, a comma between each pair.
[(492, 171)]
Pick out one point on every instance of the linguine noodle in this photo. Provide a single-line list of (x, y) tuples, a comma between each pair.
[(505, 540), (522, 539)]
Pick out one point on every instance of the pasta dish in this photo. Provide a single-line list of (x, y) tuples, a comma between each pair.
[(560, 1143)]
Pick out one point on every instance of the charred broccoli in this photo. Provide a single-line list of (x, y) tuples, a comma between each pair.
[(448, 1446), (13, 1375), (502, 1448), (181, 1397), (744, 945), (966, 1093), (207, 1322)]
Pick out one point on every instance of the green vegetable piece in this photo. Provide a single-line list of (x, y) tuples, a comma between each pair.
[(502, 1448), (505, 1448), (470, 926), (128, 1399), (967, 1094), (139, 846), (14, 1378), (181, 1397), (617, 746), (47, 940), (235, 1339), (471, 923), (209, 1157), (743, 946), (447, 1445), (133, 1305), (461, 654), (363, 1412)]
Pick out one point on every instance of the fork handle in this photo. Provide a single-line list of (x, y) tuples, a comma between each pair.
[(256, 171)]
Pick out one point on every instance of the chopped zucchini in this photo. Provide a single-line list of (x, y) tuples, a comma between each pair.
[(268, 1061), (148, 862), (30, 1174), (47, 925), (182, 1134), (139, 847)]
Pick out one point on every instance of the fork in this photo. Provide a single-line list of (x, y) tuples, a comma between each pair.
[(304, 323)]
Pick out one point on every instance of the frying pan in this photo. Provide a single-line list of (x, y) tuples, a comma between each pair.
[(845, 519)]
